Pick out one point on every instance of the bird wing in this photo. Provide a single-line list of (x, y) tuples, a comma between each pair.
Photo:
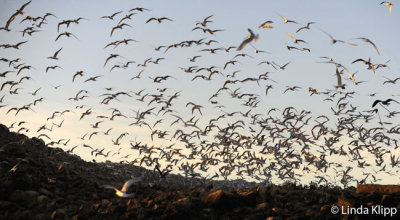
[(375, 102), (165, 18), (150, 20), (75, 75), (326, 33), (246, 41), (369, 41), (59, 36), (112, 31), (10, 20), (243, 44), (285, 19), (108, 187), (24, 5), (128, 183), (291, 35), (358, 60), (56, 53), (205, 19), (339, 78), (251, 33), (300, 29), (348, 43)]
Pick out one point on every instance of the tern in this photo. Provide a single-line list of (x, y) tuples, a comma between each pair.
[(389, 4), (339, 80), (385, 102), (333, 40), (248, 39), (20, 11), (285, 20), (266, 25), (124, 189), (368, 41)]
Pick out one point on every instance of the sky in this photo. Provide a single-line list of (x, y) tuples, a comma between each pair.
[(344, 20)]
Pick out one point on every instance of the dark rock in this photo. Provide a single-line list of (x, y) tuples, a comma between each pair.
[(382, 189), (213, 197), (42, 200)]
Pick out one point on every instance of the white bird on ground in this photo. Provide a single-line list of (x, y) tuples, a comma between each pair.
[(125, 187)]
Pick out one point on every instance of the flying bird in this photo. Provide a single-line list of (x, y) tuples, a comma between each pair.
[(366, 62), (68, 34), (389, 4), (92, 78), (392, 81), (160, 20), (111, 57), (305, 27), (205, 21), (139, 9), (294, 88), (54, 57), (124, 189), (286, 20), (333, 40), (296, 41), (79, 73), (120, 26), (52, 67), (339, 80), (266, 24), (370, 42), (111, 17), (386, 102), (248, 40), (20, 11)]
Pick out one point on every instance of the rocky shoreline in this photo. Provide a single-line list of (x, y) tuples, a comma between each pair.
[(38, 182)]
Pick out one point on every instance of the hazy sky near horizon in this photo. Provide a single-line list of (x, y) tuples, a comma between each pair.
[(344, 20)]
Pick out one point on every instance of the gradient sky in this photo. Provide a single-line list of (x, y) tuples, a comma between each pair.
[(344, 20)]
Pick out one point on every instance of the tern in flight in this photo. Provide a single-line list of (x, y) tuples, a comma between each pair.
[(339, 80), (286, 20), (205, 21), (386, 102), (305, 27), (54, 57), (18, 12), (266, 24), (248, 40), (369, 41), (333, 40), (389, 4), (125, 187), (111, 17)]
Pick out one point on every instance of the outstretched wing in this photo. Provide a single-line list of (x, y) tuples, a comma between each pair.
[(129, 183), (243, 44), (107, 187), (375, 102)]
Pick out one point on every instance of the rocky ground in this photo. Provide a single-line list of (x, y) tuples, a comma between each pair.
[(38, 182)]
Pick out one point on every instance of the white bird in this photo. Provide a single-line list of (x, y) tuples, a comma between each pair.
[(125, 187), (339, 80), (248, 39)]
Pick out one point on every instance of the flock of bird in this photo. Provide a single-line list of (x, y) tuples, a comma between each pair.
[(252, 143)]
